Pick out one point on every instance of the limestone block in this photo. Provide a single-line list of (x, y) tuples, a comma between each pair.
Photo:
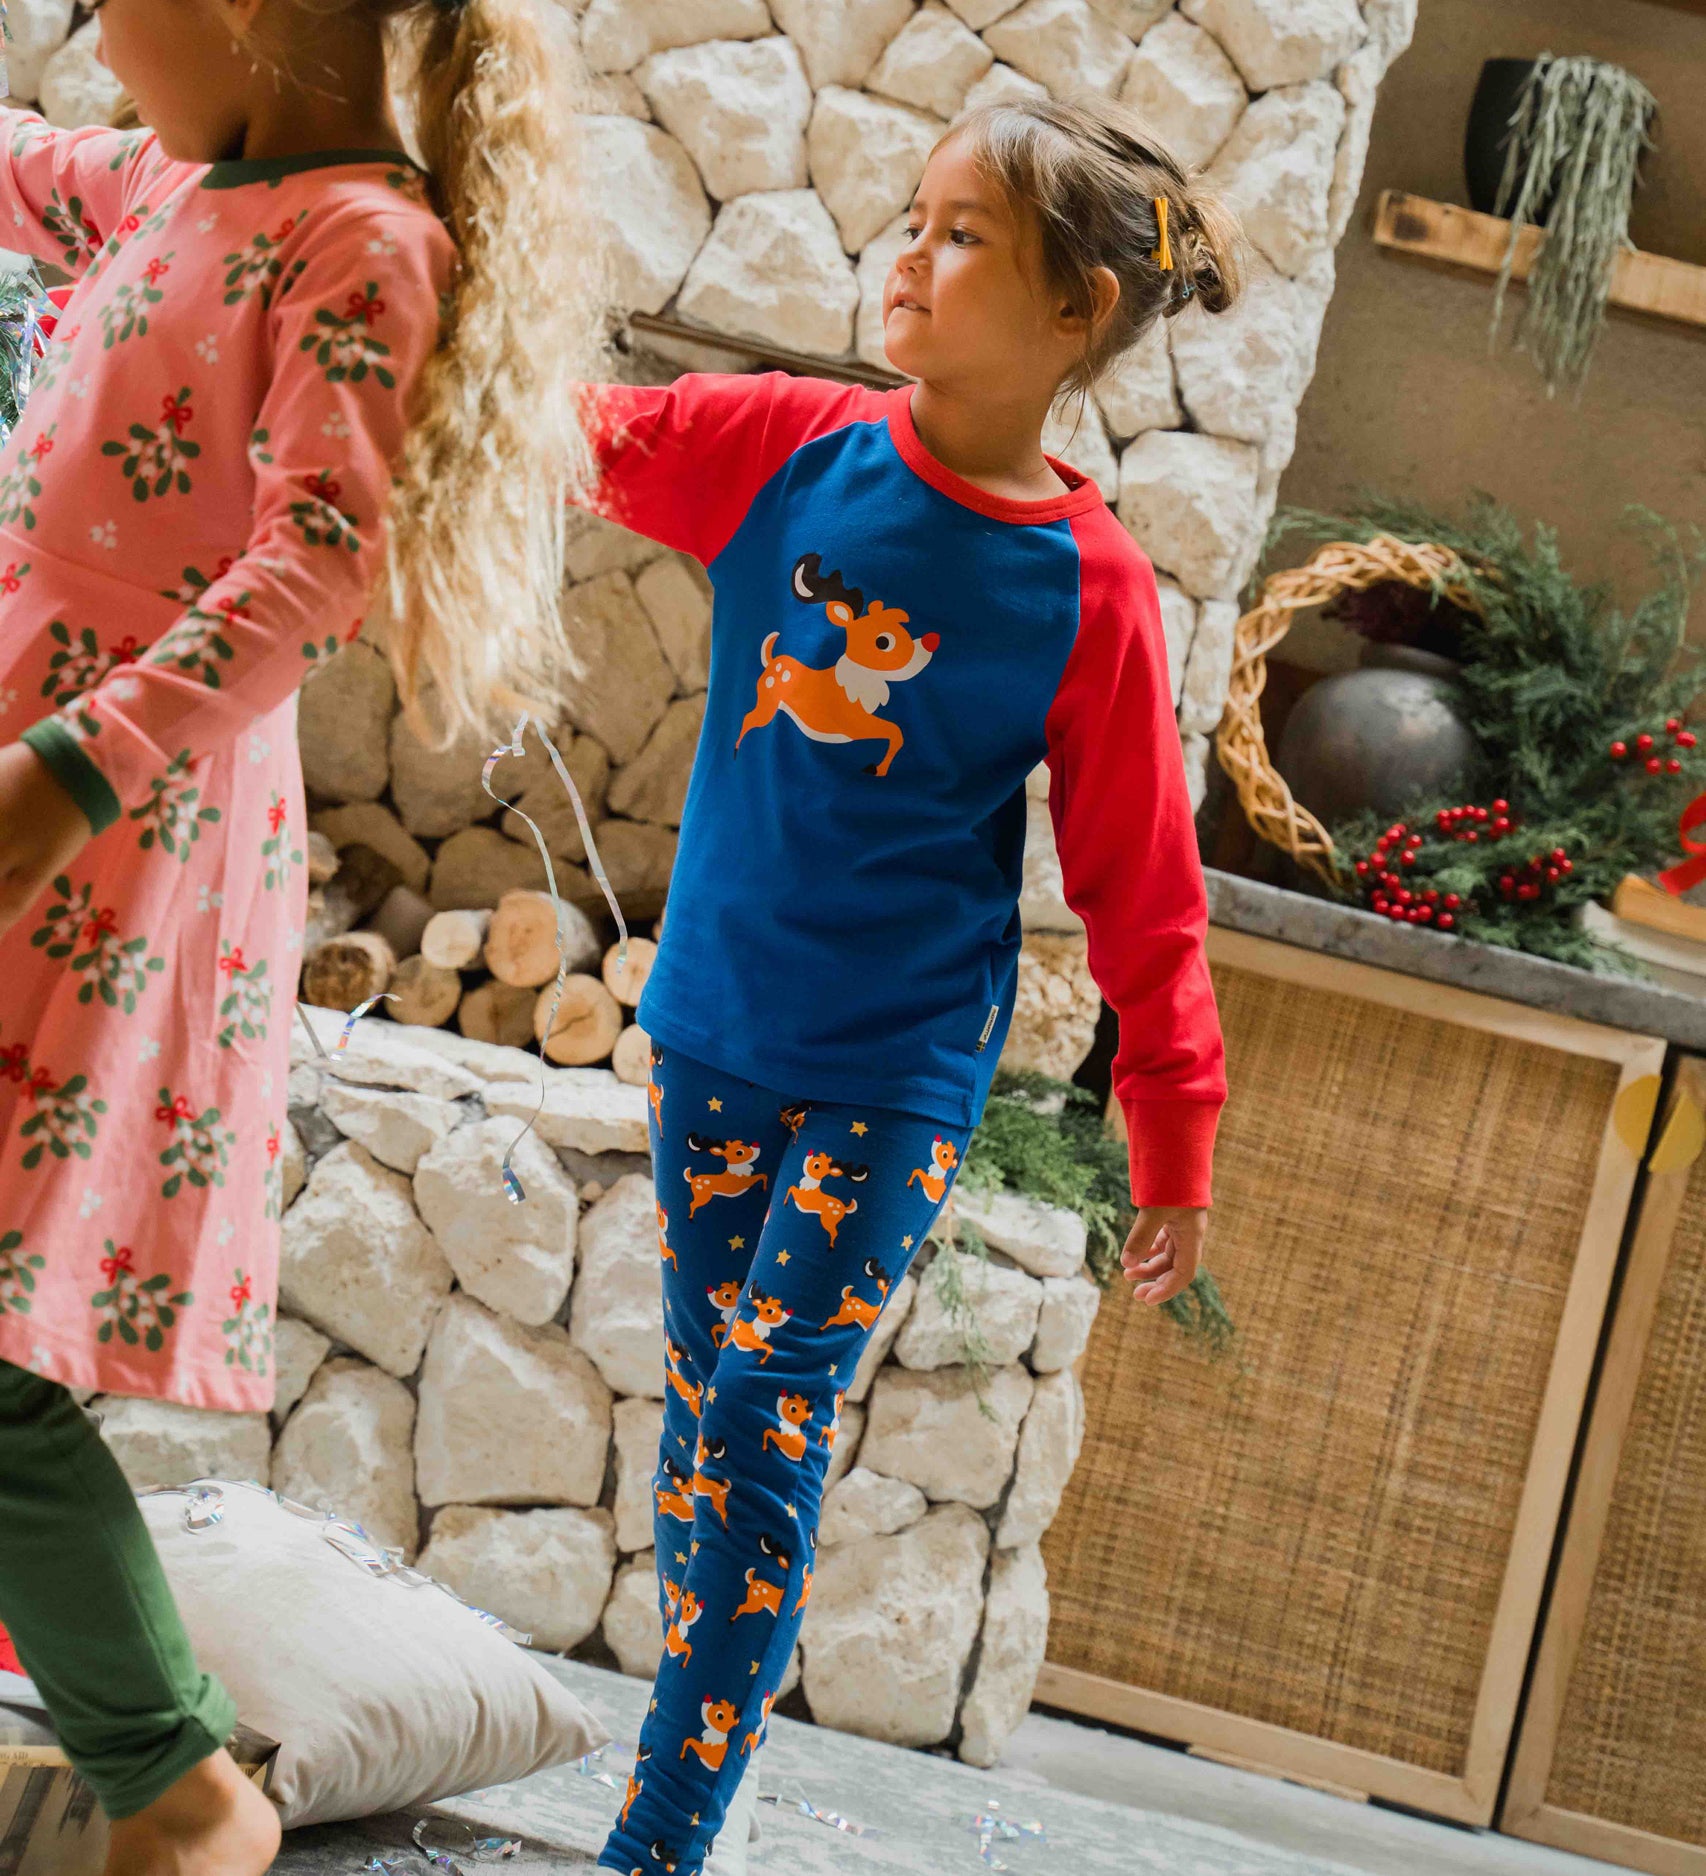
[(646, 205), (1185, 89), (1015, 1634), (866, 158), (546, 802), (1178, 627), (1002, 85), (1048, 1450), (509, 1415), (1042, 896), (1210, 668), (633, 1627), (76, 88), (1136, 391), (617, 1317), (614, 94), (677, 597), (882, 1338), (1281, 42), (358, 1264), (587, 1109), (1276, 171), (382, 1055), (739, 109), (1064, 1322), (343, 725), (157, 1442), (295, 1164), (546, 1573), (932, 62), (1056, 1006), (594, 545), (653, 787), (617, 34), (35, 30), (1003, 1305), (395, 1128), (875, 261), (519, 1259), (1074, 435), (840, 40), (930, 1429), (1047, 1240), (348, 1449), (1196, 751), (437, 791), (978, 14), (1064, 44), (866, 1504), (1191, 502), (1132, 17), (890, 1627), (372, 824), (847, 1443), (1242, 372), (638, 859), (298, 1352), (773, 270), (639, 1427), (625, 683)]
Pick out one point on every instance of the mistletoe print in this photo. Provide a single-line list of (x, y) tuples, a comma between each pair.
[(248, 1329), (171, 815), (279, 850), (78, 666), (273, 1180), (21, 483), (138, 1310), (343, 344), (62, 1121), (197, 644), (200, 1146), (116, 969), (248, 1005), (153, 459), (125, 315), (258, 268), (320, 518), (17, 1274)]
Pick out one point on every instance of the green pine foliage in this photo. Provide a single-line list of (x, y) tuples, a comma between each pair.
[(1553, 674), (20, 297)]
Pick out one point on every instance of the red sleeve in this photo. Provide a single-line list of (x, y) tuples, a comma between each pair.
[(1128, 859), (681, 463)]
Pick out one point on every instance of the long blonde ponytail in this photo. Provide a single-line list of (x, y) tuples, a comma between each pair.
[(477, 516)]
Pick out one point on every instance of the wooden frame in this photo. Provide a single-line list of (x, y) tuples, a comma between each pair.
[(1526, 1812), (1469, 1798)]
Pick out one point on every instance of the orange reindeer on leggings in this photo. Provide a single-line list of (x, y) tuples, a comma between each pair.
[(737, 1155), (840, 704), (809, 1195)]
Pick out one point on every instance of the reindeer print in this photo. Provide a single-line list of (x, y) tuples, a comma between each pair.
[(725, 1300), (675, 1500), (738, 1156), (794, 1118), (840, 705), (753, 1337), (855, 1312), (693, 1392), (654, 1089), (809, 1195), (720, 1717), (827, 1437), (756, 1737), (636, 1784), (788, 1435), (764, 1597), (704, 1484), (943, 1159), (664, 1251), (675, 1640)]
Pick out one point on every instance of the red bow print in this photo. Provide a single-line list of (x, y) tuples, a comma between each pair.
[(272, 1144), (289, 228), (240, 1292), (15, 1062), (127, 650), (176, 414), (10, 580), (41, 448), (230, 608), (121, 1259), (129, 225), (40, 1083), (324, 487), (364, 307), (231, 964), (102, 925), (179, 1110), (156, 271), (277, 815)]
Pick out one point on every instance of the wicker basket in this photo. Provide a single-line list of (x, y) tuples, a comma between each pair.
[(1339, 567)]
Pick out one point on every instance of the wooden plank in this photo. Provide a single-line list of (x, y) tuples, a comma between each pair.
[(1643, 903), (840, 370), (1449, 236)]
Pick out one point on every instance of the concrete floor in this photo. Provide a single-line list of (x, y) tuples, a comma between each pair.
[(1078, 1757)]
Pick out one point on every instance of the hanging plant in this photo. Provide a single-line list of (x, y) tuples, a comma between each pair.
[(1575, 147)]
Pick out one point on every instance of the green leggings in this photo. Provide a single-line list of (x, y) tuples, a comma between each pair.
[(88, 1607)]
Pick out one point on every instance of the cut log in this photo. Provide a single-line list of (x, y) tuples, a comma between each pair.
[(632, 1056), (626, 984), (589, 1019), (401, 921), (521, 946), (426, 995), (356, 891), (348, 970), (453, 940), (322, 859), (494, 1012)]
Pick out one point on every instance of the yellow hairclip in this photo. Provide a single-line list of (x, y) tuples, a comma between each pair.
[(1163, 255)]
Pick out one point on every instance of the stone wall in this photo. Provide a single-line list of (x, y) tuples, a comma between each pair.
[(481, 1385)]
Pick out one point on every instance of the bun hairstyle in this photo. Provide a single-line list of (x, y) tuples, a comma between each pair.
[(1103, 193)]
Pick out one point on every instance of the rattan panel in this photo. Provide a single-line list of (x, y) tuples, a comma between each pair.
[(1631, 1744), (1319, 1542)]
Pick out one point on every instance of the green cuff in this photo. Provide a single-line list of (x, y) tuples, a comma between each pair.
[(74, 772)]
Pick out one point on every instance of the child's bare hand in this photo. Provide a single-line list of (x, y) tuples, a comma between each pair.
[(1165, 1247), (42, 830)]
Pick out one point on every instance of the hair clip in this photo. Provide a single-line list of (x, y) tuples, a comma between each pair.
[(1163, 255)]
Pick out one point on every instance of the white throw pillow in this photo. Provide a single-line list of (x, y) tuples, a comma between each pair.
[(381, 1693)]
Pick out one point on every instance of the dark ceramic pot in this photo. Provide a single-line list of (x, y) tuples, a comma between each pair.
[(1375, 737), (1489, 128)]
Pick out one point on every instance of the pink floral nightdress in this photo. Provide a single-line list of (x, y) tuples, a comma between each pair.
[(191, 520)]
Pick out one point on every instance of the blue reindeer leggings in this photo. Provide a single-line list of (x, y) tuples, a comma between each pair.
[(783, 1226)]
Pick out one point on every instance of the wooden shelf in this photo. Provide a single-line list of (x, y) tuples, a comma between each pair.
[(1459, 238)]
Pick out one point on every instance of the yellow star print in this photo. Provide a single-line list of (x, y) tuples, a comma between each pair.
[(654, 1706), (755, 1667), (712, 1395), (792, 1513), (860, 1127), (694, 1547), (714, 1105), (737, 1244), (832, 1369), (906, 1242), (781, 1257), (679, 1440), (681, 1556)]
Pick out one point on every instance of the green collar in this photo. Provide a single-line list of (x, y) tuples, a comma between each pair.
[(273, 169)]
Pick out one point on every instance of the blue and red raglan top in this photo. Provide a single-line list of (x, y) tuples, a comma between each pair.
[(893, 650)]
